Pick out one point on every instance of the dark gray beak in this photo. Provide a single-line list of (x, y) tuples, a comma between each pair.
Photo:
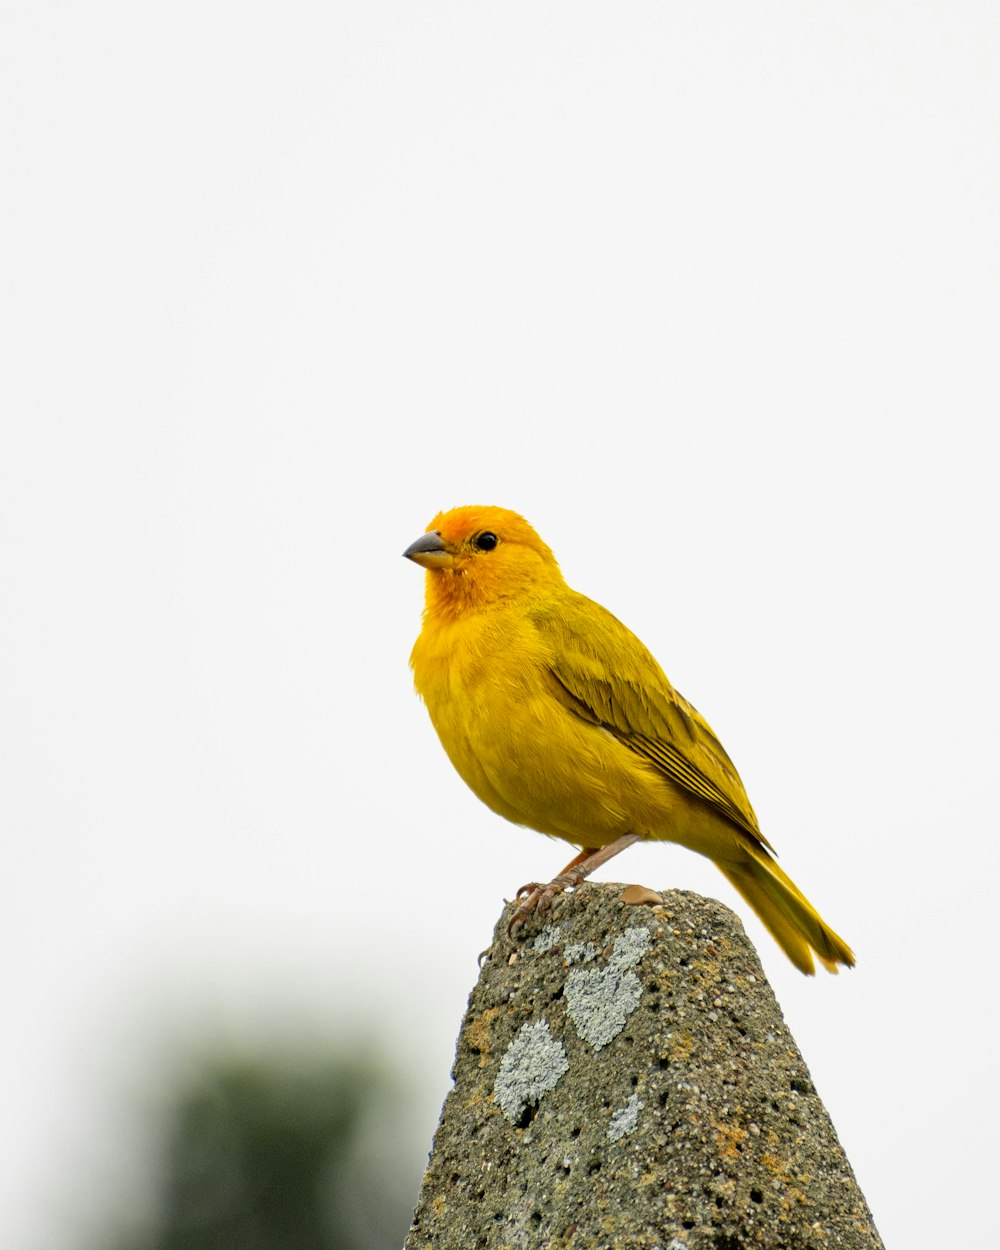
[(429, 551)]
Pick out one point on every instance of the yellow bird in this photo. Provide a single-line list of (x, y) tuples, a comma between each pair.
[(558, 718)]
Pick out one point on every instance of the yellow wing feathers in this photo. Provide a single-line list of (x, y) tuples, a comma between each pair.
[(606, 669)]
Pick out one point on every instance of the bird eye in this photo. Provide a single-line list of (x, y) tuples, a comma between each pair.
[(486, 541)]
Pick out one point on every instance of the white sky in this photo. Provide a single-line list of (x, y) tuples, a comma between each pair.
[(710, 293)]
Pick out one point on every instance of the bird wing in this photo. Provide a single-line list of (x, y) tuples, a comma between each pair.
[(605, 675)]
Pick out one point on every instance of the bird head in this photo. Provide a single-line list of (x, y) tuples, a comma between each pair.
[(482, 556)]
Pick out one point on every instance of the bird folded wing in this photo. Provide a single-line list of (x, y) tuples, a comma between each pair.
[(604, 674)]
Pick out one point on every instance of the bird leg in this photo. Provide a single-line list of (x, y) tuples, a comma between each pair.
[(577, 859), (539, 897)]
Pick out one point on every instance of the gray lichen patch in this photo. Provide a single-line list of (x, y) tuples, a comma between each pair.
[(532, 1065), (545, 940), (580, 952), (630, 947), (600, 1000), (625, 1120)]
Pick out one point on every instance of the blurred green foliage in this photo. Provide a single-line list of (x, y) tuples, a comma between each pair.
[(272, 1154)]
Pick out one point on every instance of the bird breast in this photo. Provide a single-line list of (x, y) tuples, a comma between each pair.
[(487, 685)]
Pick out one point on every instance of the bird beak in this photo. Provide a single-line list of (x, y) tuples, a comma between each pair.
[(429, 551)]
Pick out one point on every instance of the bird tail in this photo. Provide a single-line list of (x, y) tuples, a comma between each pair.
[(788, 915)]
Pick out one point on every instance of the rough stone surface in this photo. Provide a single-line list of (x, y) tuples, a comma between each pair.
[(627, 1081)]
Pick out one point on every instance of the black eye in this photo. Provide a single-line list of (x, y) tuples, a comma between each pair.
[(486, 541)]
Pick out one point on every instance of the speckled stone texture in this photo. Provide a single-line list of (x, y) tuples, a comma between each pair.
[(624, 1079)]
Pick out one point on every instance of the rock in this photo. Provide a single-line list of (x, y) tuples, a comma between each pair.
[(624, 1078)]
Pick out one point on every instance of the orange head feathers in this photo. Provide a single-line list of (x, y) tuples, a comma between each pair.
[(478, 556)]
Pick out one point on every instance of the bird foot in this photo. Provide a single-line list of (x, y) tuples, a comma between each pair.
[(538, 898)]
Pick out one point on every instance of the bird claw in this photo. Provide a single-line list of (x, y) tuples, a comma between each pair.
[(533, 894), (539, 899)]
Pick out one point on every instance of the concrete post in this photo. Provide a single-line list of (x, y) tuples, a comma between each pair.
[(624, 1079)]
